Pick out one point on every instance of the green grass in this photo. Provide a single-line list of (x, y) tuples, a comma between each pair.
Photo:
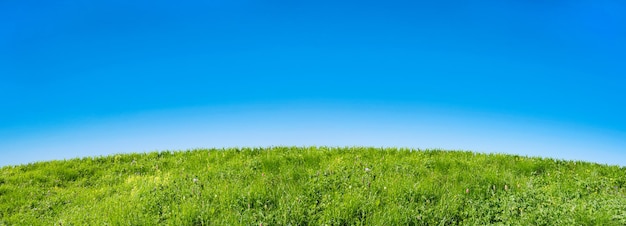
[(313, 186)]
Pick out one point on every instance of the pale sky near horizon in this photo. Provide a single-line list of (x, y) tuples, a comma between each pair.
[(101, 77)]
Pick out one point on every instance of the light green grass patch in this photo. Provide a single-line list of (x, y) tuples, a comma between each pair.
[(312, 186)]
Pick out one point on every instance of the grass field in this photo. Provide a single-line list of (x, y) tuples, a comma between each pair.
[(313, 186)]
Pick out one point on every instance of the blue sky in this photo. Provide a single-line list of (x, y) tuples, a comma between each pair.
[(526, 77)]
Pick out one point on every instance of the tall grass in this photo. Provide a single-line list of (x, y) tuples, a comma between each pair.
[(312, 186)]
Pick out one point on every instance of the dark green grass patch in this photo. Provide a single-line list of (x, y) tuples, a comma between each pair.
[(312, 186)]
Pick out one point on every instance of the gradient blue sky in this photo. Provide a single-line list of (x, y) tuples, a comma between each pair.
[(82, 78)]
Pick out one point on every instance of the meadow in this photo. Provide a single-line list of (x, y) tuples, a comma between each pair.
[(313, 186)]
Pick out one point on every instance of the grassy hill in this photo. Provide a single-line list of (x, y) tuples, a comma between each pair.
[(312, 186)]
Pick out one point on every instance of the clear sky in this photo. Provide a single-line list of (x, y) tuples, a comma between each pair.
[(84, 78)]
